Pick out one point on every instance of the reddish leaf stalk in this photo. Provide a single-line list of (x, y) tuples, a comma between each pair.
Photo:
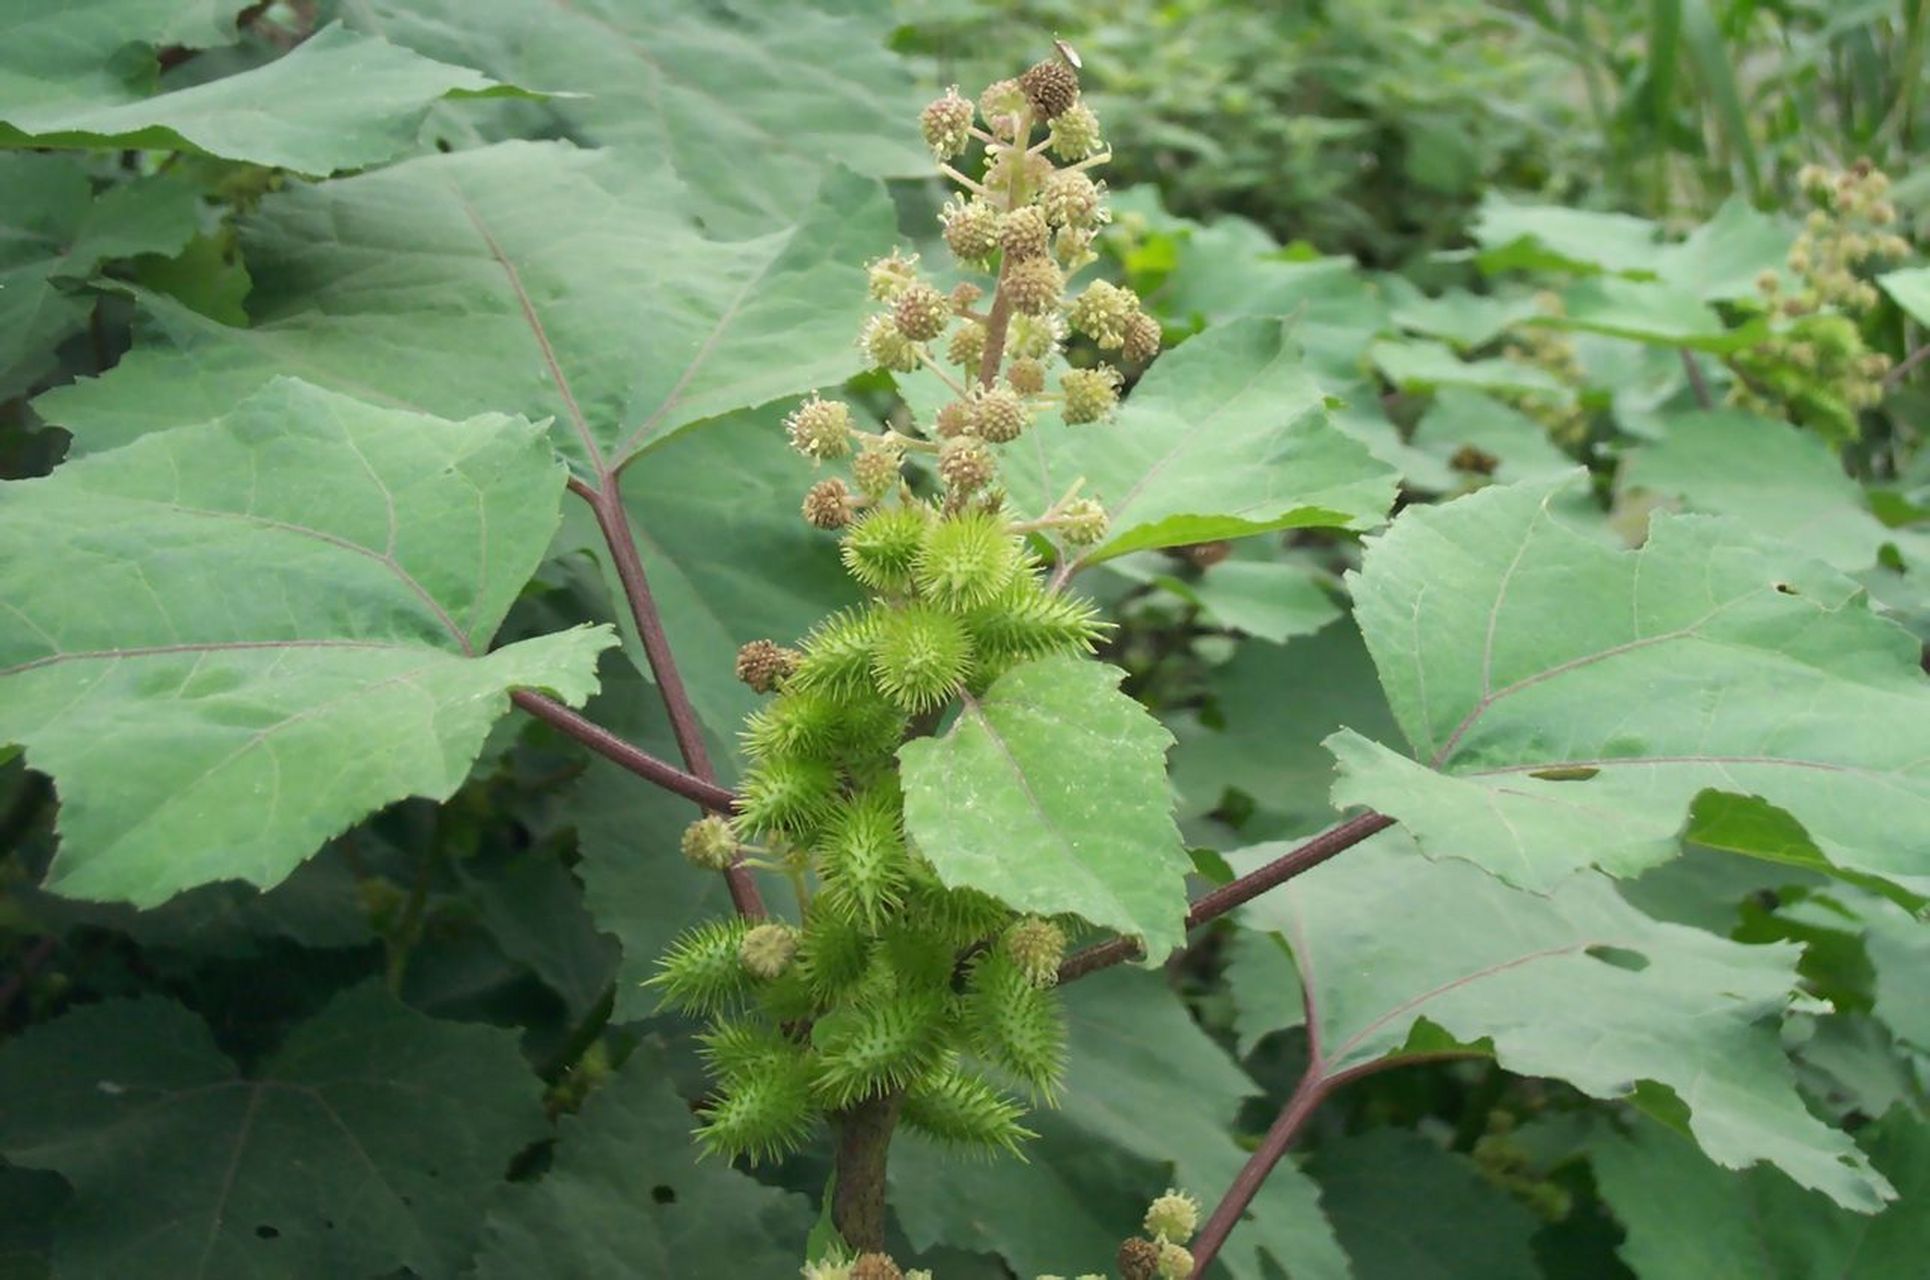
[(621, 753), (606, 504), (1307, 1095), (1697, 382), (1235, 893)]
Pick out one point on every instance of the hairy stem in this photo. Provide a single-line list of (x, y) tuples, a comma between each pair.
[(864, 1142), (1303, 857), (617, 751), (606, 504)]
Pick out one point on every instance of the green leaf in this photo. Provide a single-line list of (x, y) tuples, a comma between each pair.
[(55, 232), (1267, 599), (626, 1196), (1687, 1219), (1049, 793), (228, 641), (1270, 709), (1150, 1102), (1404, 1209), (1467, 320), (81, 49), (1225, 437), (1264, 986), (1459, 420), (1911, 290), (527, 277), (1574, 984), (1784, 483), (1553, 238), (1568, 701), (745, 103), (365, 1144), (1721, 260), (1423, 366), (291, 113)]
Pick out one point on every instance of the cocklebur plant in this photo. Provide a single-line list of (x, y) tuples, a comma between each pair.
[(895, 997), (1815, 366)]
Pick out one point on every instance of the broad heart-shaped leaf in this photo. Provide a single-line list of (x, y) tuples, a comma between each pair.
[(367, 1143), (293, 113), (1568, 701), (1419, 365), (228, 641), (1577, 985), (1783, 482), (1722, 259), (627, 1197), (744, 101), (1150, 1102), (1225, 437), (1049, 793), (1460, 420), (528, 278), (72, 48), (1686, 1219), (54, 230)]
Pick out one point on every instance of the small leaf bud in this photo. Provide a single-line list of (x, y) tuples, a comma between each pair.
[(766, 951), (1036, 945), (1027, 376), (947, 124), (1051, 87), (1142, 338), (964, 294), (971, 229), (887, 348), (1138, 1260), (1034, 286), (1023, 233), (1075, 133), (1071, 199), (999, 415), (1101, 312), (921, 312), (762, 663), (876, 470), (954, 419), (965, 464), (887, 277), (1083, 522), (820, 429), (827, 505), (967, 346), (1175, 1216), (708, 843), (1175, 1262), (1090, 394)]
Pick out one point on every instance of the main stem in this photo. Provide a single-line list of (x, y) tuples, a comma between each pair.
[(864, 1141), (606, 504), (1309, 1094)]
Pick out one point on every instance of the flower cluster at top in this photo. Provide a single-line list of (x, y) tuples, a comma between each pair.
[(1814, 365), (1028, 220)]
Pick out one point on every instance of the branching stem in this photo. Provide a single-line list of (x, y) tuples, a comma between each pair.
[(1304, 857), (621, 753), (606, 504)]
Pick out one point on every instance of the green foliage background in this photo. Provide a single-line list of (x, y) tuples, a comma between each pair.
[(316, 962)]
